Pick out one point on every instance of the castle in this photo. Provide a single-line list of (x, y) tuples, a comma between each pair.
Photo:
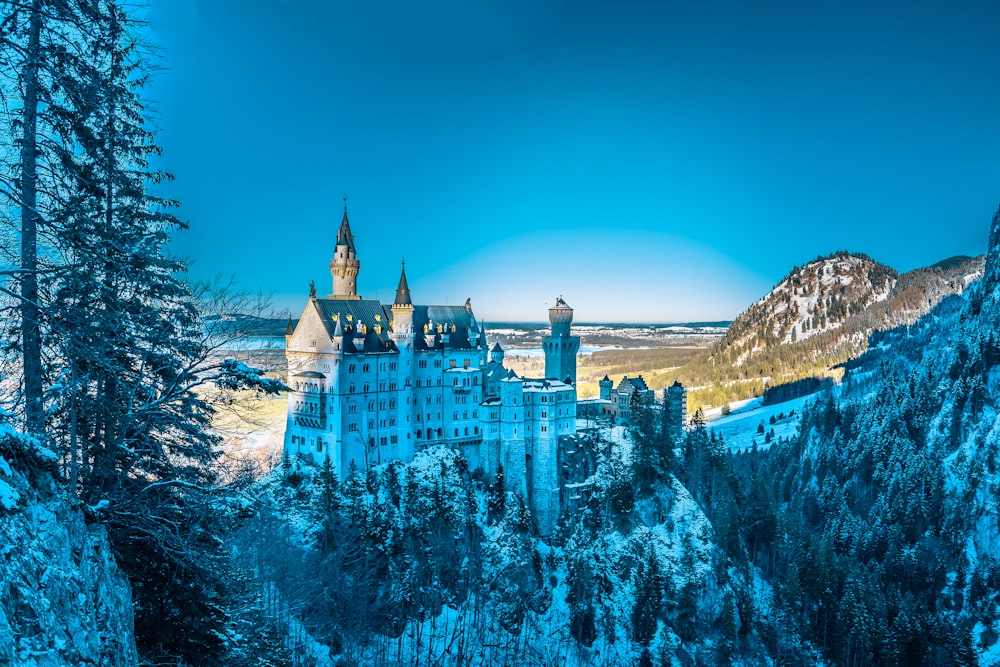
[(372, 383)]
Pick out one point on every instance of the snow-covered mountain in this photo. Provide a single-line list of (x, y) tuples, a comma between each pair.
[(835, 303)]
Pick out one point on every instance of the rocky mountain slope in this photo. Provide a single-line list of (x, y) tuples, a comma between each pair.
[(63, 599), (885, 502), (819, 316)]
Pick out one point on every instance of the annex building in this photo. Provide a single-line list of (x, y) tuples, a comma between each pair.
[(373, 382)]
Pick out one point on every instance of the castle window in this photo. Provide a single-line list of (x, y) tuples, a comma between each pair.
[(423, 363), (439, 433), (319, 445), (454, 382), (381, 366), (455, 416), (352, 409), (437, 363), (392, 386), (352, 389), (382, 440), (418, 416), (544, 413), (438, 399), (475, 430), (381, 406), (456, 432), (392, 366), (475, 414), (392, 421), (419, 432), (465, 414), (371, 423), (392, 403), (545, 428), (367, 368), (394, 439), (351, 368), (367, 387), (439, 382), (544, 399), (428, 400), (352, 427), (475, 381), (371, 405)]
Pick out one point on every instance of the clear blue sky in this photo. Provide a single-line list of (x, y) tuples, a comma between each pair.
[(650, 161)]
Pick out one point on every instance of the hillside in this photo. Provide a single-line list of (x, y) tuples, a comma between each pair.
[(818, 316), (884, 503)]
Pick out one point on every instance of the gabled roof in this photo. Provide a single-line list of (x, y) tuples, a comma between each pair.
[(351, 314), (459, 316)]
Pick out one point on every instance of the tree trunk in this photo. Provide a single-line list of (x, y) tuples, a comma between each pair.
[(34, 415)]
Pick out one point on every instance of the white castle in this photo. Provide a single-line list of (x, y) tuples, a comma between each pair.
[(372, 383)]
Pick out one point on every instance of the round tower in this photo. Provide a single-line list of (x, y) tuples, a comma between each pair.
[(344, 266), (560, 346)]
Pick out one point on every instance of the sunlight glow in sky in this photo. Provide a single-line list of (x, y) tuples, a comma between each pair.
[(649, 161)]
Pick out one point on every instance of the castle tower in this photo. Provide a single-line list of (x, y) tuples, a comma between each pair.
[(344, 266), (560, 347), (402, 307), (606, 384)]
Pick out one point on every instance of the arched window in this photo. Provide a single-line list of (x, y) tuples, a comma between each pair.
[(456, 432), (420, 432)]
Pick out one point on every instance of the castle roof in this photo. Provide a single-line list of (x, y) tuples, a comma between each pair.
[(355, 318), (352, 314), (344, 235), (403, 290)]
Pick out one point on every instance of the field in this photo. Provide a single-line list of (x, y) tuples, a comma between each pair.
[(657, 365)]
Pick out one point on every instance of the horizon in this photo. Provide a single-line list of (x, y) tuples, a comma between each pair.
[(649, 163)]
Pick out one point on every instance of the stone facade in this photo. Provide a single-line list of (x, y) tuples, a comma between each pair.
[(372, 383)]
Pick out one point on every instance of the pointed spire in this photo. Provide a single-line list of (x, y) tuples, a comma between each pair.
[(344, 235), (403, 291), (290, 329)]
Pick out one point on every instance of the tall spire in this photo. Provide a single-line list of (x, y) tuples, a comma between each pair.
[(344, 266), (403, 291), (344, 235)]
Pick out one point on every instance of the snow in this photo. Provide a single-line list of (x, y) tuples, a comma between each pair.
[(739, 428), (8, 496)]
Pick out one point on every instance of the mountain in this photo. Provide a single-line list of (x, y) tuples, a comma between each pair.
[(885, 500), (823, 313)]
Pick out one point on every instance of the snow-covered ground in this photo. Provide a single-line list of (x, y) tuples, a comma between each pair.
[(740, 428)]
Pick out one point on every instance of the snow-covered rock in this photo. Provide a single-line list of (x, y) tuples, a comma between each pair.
[(63, 600)]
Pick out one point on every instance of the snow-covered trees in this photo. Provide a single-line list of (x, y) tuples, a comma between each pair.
[(110, 384)]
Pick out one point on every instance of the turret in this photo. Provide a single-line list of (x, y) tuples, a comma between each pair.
[(402, 307), (606, 384), (561, 347), (344, 266)]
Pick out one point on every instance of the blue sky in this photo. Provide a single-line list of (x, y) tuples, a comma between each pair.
[(650, 161)]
